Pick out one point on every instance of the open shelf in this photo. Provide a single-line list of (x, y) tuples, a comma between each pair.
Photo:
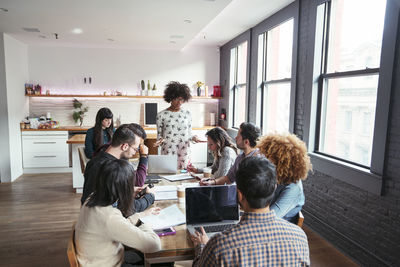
[(118, 96)]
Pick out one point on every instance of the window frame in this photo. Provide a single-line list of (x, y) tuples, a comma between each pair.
[(235, 87), (282, 16), (369, 179)]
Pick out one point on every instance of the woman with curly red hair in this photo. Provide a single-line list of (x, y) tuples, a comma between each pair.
[(289, 154)]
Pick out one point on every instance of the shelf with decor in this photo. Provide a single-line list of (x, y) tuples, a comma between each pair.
[(119, 96)]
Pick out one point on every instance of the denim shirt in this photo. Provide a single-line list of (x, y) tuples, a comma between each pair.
[(288, 200)]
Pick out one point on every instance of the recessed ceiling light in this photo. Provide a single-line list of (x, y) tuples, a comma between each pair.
[(31, 29), (3, 9), (187, 21), (42, 36), (176, 36), (172, 42), (77, 31), (110, 39)]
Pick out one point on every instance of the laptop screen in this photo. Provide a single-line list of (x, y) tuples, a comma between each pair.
[(207, 204)]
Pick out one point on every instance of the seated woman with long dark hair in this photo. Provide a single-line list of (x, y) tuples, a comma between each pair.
[(289, 155), (102, 230), (101, 133), (224, 151)]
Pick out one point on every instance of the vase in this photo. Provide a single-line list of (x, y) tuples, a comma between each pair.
[(198, 91)]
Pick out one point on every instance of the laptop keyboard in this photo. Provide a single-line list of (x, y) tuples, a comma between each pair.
[(215, 228)]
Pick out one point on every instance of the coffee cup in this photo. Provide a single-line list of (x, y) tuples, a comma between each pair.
[(181, 193), (207, 172)]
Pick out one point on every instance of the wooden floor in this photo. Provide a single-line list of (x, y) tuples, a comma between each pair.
[(36, 215)]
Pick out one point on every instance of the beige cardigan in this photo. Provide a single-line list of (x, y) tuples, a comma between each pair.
[(101, 231)]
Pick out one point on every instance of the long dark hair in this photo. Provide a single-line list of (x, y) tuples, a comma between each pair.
[(114, 183), (103, 113), (221, 139)]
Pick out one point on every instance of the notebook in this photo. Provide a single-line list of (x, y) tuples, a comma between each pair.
[(162, 164), (213, 207)]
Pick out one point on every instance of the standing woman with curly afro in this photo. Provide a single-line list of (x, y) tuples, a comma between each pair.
[(289, 155), (174, 125)]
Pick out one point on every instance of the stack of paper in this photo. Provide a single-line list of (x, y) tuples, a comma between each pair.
[(167, 217), (164, 192), (177, 177)]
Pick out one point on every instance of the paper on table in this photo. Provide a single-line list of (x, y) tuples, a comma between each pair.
[(167, 217), (196, 184), (177, 177), (164, 192)]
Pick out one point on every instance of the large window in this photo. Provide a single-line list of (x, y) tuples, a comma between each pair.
[(274, 77), (238, 85), (350, 42)]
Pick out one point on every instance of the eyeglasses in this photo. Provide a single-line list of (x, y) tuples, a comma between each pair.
[(135, 148)]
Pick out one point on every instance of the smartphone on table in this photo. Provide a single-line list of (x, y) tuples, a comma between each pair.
[(166, 231)]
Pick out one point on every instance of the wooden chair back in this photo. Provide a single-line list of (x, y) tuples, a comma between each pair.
[(71, 252), (82, 158), (300, 219)]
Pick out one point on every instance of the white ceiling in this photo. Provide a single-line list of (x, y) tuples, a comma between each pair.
[(136, 24)]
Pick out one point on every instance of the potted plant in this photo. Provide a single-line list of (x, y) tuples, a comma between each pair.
[(79, 114), (149, 92), (154, 89), (143, 87), (199, 84)]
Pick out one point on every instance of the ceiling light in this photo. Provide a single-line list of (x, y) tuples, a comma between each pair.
[(31, 29), (187, 21), (172, 42), (77, 31), (110, 39), (42, 36), (176, 36), (3, 9)]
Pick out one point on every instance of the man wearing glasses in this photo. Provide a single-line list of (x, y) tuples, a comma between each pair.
[(126, 142)]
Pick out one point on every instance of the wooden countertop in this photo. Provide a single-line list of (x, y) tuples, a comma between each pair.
[(77, 128)]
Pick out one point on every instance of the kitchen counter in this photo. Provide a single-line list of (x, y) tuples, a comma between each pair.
[(79, 129)]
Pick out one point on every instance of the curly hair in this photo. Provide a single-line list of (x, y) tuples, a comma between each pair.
[(289, 154), (175, 90)]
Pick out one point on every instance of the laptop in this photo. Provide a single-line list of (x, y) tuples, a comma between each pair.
[(162, 164), (215, 208)]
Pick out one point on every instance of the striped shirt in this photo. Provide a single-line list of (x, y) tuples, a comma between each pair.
[(259, 239)]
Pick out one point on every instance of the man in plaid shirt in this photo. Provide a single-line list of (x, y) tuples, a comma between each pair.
[(260, 238)]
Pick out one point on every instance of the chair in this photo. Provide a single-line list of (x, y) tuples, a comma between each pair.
[(82, 158), (300, 219), (71, 253)]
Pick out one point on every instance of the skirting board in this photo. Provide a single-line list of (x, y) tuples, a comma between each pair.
[(47, 170)]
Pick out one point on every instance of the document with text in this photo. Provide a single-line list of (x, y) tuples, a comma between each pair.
[(168, 217)]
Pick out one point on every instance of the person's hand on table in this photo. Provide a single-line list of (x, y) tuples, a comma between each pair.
[(207, 181), (158, 142), (199, 237), (191, 168), (151, 211), (150, 190)]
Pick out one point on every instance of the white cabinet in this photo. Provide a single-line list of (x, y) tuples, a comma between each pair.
[(45, 149)]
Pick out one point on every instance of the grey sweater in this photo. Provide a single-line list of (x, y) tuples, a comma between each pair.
[(221, 167)]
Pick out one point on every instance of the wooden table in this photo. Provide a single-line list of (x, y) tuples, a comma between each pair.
[(176, 247)]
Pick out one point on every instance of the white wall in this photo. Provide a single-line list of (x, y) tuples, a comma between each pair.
[(5, 170), (62, 69), (16, 65)]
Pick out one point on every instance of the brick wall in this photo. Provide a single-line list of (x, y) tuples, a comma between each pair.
[(363, 225)]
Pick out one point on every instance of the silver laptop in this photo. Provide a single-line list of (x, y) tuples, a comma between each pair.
[(162, 164), (213, 207)]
